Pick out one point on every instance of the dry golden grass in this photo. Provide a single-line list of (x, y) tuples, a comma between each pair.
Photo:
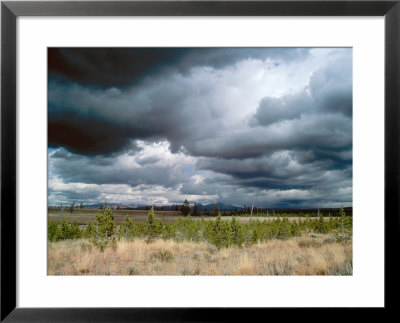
[(297, 256)]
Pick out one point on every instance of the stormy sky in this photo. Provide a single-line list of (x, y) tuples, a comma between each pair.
[(271, 126)]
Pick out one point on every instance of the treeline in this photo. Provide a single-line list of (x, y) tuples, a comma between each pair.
[(214, 210), (218, 232)]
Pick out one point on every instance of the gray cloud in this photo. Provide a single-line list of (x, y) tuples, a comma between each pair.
[(231, 130), (122, 170), (332, 89), (272, 110)]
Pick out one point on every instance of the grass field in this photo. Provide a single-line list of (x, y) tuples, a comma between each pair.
[(306, 255), (83, 216)]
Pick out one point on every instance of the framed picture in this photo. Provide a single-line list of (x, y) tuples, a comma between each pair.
[(228, 142)]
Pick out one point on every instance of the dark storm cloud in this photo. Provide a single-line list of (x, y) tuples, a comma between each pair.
[(88, 136), (102, 122), (106, 67), (120, 67)]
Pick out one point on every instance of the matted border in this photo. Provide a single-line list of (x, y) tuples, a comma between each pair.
[(11, 10)]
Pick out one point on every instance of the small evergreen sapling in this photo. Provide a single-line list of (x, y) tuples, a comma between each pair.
[(237, 232), (75, 231), (65, 232), (90, 230), (153, 226), (105, 225), (53, 231), (125, 229), (322, 227)]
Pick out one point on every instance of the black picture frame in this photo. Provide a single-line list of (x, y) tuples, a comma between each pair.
[(10, 10)]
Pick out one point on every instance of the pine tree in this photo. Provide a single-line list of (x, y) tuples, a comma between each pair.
[(75, 231), (90, 230), (53, 231), (185, 208), (237, 232), (125, 229), (105, 225), (217, 232), (64, 229), (153, 226)]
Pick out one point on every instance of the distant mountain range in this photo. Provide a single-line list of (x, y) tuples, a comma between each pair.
[(211, 206), (205, 207)]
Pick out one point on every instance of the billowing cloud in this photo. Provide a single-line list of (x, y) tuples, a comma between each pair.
[(229, 125)]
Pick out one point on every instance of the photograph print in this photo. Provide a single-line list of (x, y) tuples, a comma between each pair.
[(200, 161)]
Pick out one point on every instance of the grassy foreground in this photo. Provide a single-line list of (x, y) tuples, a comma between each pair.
[(316, 254)]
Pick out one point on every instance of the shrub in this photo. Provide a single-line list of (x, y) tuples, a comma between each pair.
[(309, 244), (345, 269), (133, 271), (162, 255), (103, 243), (100, 244), (330, 240)]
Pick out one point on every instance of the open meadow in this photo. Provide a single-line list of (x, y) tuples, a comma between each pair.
[(86, 215), (200, 246), (316, 255)]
